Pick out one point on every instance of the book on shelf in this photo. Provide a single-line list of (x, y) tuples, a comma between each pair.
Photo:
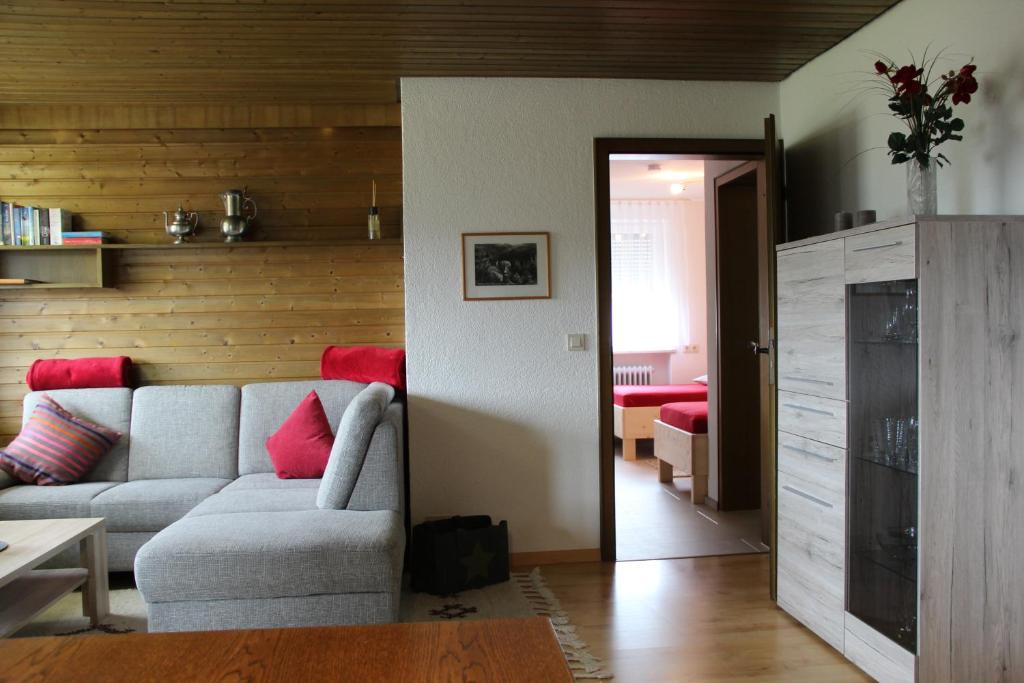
[(44, 226), (37, 228), (16, 281), (6, 224), (72, 241), (87, 233), (86, 237), (60, 223), (26, 225)]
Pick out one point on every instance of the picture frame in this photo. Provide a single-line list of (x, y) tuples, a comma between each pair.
[(505, 266)]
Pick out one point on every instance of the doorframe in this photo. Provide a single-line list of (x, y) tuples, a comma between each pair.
[(710, 149)]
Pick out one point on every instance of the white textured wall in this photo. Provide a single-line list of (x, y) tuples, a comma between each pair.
[(825, 124), (502, 419)]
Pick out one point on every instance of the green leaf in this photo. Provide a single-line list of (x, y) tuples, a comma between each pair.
[(897, 141), (956, 124)]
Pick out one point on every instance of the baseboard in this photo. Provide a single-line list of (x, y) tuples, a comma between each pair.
[(711, 502), (525, 560)]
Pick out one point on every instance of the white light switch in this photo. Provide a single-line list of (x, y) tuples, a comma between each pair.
[(577, 342)]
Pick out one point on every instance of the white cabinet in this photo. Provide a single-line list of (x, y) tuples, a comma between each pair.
[(811, 320), (819, 557), (905, 558)]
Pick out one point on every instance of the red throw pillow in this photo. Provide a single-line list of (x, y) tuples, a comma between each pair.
[(56, 447), (300, 448), (364, 364)]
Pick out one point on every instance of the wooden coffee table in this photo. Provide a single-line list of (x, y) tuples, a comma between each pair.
[(26, 591), (505, 650)]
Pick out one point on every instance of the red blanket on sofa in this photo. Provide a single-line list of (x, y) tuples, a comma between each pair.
[(79, 373), (364, 364)]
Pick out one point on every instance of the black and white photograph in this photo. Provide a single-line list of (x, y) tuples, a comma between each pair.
[(512, 265)]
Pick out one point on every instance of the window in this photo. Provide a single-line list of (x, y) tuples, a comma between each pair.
[(647, 269)]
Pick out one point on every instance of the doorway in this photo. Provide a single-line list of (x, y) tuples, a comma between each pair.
[(735, 493)]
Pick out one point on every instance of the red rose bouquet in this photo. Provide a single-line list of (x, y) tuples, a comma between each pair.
[(925, 105)]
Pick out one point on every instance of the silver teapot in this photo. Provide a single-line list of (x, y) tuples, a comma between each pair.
[(184, 224), (235, 224)]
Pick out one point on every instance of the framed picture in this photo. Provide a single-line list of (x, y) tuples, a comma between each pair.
[(506, 265)]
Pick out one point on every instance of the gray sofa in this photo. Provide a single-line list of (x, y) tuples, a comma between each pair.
[(216, 540)]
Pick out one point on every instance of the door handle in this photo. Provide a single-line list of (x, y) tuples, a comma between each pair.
[(756, 348)]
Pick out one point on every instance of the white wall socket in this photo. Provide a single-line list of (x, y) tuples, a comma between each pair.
[(576, 342)]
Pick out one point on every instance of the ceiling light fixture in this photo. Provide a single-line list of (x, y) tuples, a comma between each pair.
[(676, 188)]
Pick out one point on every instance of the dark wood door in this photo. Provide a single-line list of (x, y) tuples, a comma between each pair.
[(738, 198), (773, 232)]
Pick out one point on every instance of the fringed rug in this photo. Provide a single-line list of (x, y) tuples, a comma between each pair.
[(525, 595)]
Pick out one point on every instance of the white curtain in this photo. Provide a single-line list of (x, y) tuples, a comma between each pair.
[(649, 306)]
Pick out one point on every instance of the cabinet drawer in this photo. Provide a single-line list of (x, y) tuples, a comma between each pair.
[(821, 419), (888, 254), (818, 611), (822, 465), (811, 556), (812, 320), (811, 516)]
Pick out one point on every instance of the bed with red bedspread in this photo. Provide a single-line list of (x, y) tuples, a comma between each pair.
[(637, 407), (690, 417), (658, 394), (681, 445)]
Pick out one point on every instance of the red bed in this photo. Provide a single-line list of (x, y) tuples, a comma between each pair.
[(690, 417), (658, 394), (681, 445), (637, 407)]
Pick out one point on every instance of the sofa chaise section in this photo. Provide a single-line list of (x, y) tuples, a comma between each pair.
[(273, 569), (261, 554)]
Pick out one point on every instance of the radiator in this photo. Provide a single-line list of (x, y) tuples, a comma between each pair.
[(632, 374)]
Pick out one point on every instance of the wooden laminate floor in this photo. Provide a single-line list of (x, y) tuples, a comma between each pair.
[(657, 521), (697, 619)]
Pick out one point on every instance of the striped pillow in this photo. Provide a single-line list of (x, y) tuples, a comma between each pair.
[(55, 447)]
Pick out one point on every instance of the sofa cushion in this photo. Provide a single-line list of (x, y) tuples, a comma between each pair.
[(256, 555), (152, 504), (111, 408), (364, 364), (265, 406), (257, 500), (358, 423), (50, 502), (301, 446), (184, 431), (56, 447), (269, 480)]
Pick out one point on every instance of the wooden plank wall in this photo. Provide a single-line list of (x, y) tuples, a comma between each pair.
[(208, 315)]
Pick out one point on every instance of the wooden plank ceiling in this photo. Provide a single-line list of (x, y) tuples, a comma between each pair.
[(237, 51)]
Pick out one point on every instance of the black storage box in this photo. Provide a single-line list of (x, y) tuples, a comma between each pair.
[(451, 555)]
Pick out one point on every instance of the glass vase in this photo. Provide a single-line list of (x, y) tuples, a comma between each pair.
[(922, 197)]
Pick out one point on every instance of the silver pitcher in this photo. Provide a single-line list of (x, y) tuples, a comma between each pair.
[(236, 223), (183, 225)]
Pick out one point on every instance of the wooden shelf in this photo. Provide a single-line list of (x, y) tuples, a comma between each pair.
[(87, 266), (27, 596), (208, 245), (249, 245), (56, 267)]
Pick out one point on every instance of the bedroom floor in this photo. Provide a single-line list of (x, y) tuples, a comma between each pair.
[(657, 521)]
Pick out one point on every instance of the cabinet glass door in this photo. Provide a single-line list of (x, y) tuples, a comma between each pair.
[(883, 464)]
